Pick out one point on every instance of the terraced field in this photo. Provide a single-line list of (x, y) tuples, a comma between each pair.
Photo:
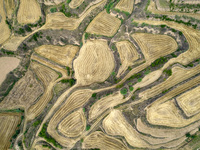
[(103, 74)]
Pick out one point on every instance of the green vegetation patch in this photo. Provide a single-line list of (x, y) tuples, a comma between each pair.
[(123, 91)]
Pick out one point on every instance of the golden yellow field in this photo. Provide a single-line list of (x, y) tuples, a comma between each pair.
[(29, 11), (4, 30), (104, 103), (62, 55), (47, 76), (75, 3), (100, 140), (190, 102), (125, 5), (24, 93), (154, 46), (128, 55), (9, 7), (104, 24), (8, 125), (94, 63), (74, 101), (74, 124)]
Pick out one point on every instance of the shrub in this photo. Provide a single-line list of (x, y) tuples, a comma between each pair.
[(123, 91), (168, 72), (36, 123), (87, 127), (159, 61), (94, 95), (131, 88), (68, 1), (140, 79), (52, 10), (68, 71)]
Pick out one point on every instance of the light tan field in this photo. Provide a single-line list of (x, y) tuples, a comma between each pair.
[(115, 124), (75, 3), (186, 1), (164, 112), (179, 74), (29, 12), (193, 39), (190, 101), (74, 124), (47, 76), (8, 125), (100, 140), (125, 5), (104, 103), (7, 64), (4, 30), (9, 7), (13, 43), (104, 24), (62, 55), (24, 93), (154, 46), (152, 8), (94, 63), (163, 135), (58, 20), (74, 101), (128, 55), (53, 2)]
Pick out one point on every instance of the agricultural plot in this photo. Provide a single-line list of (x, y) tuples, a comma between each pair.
[(104, 24), (73, 125), (179, 74), (4, 30), (24, 93), (104, 103), (8, 125), (100, 140), (13, 43), (125, 5), (152, 8), (155, 46), (92, 63), (47, 76), (7, 64), (9, 7), (62, 55), (128, 55), (190, 102), (74, 101), (29, 11), (75, 3), (52, 2)]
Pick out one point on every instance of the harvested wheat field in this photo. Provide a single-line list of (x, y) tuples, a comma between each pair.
[(8, 125), (94, 63), (193, 39), (152, 8), (164, 111), (47, 76), (179, 74), (13, 43), (4, 30), (128, 55), (101, 141), (190, 101), (125, 5), (75, 3), (154, 46), (24, 93), (53, 2), (29, 12), (62, 55), (9, 7), (74, 124), (7, 64), (74, 101), (104, 103), (115, 124), (104, 24)]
